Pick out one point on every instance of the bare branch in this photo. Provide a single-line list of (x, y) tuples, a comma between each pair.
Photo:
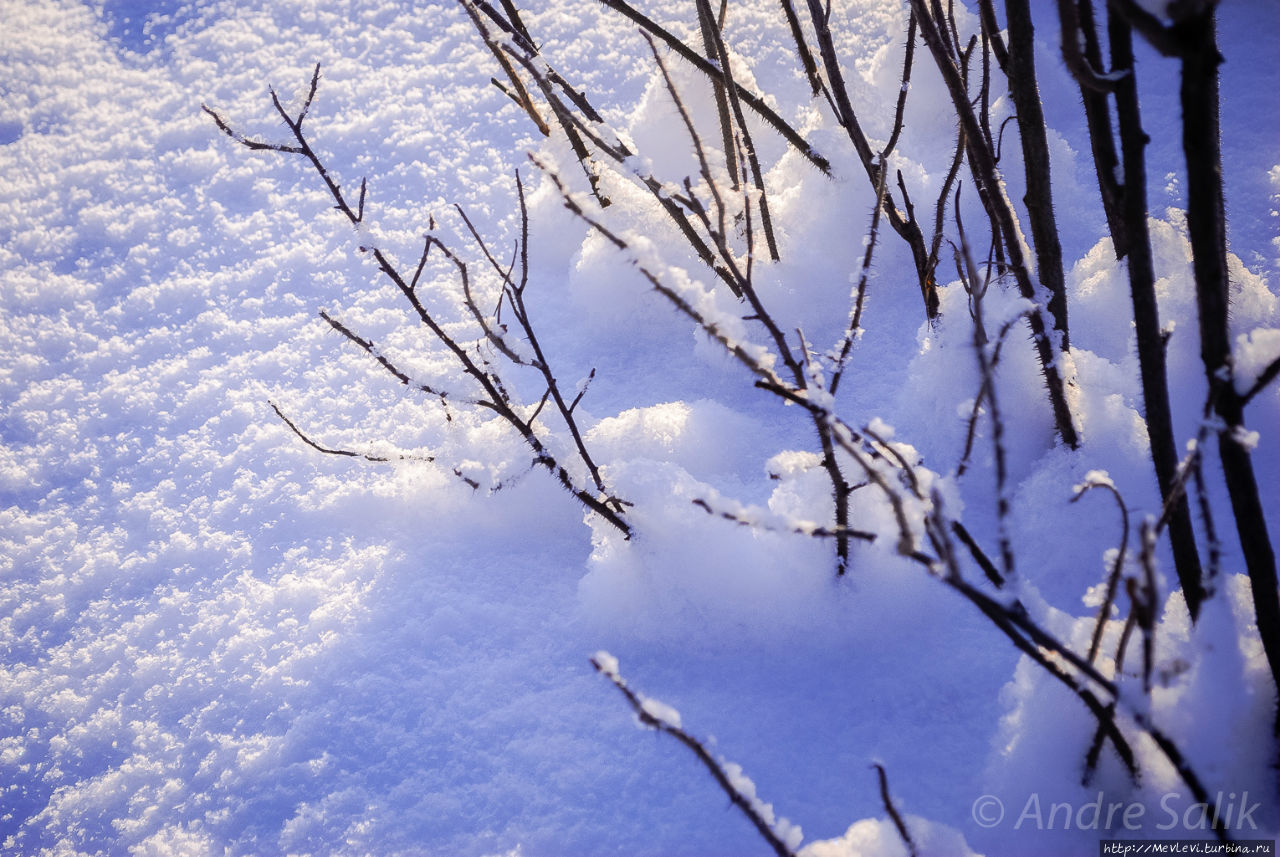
[(986, 177), (771, 522), (325, 449), (855, 319), (1267, 375), (898, 822), (256, 145), (900, 110), (987, 374), (751, 100), (1117, 568), (748, 804), (385, 363)]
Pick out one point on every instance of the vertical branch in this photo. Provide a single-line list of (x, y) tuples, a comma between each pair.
[(1192, 37), (855, 319), (1083, 57), (986, 177), (1144, 598), (1035, 158), (899, 110), (1152, 368), (838, 94), (977, 293), (748, 147), (710, 41)]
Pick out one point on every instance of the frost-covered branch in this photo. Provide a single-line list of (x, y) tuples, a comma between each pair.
[(514, 292), (968, 272), (901, 219), (756, 103), (760, 520), (1099, 479), (1123, 186), (692, 300), (783, 837), (982, 162), (328, 450)]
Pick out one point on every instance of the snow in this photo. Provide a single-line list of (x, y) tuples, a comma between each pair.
[(1254, 352), (216, 640)]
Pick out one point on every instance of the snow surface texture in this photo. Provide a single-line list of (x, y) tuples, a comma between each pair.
[(218, 641)]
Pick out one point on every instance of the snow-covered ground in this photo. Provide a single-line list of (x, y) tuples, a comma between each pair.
[(215, 640)]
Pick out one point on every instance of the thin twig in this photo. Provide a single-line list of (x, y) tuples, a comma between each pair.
[(898, 821), (1117, 568), (746, 803), (343, 452)]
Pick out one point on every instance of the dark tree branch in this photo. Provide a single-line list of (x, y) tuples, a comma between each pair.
[(986, 177), (1117, 568), (1152, 367), (1083, 56), (342, 452), (1267, 375), (711, 46), (753, 101), (802, 50), (1193, 38), (1021, 70), (898, 822), (495, 398), (746, 803)]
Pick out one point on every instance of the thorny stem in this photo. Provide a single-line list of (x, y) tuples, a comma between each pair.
[(1021, 72), (710, 45), (855, 320), (986, 177), (1206, 222), (1192, 38), (1152, 366)]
